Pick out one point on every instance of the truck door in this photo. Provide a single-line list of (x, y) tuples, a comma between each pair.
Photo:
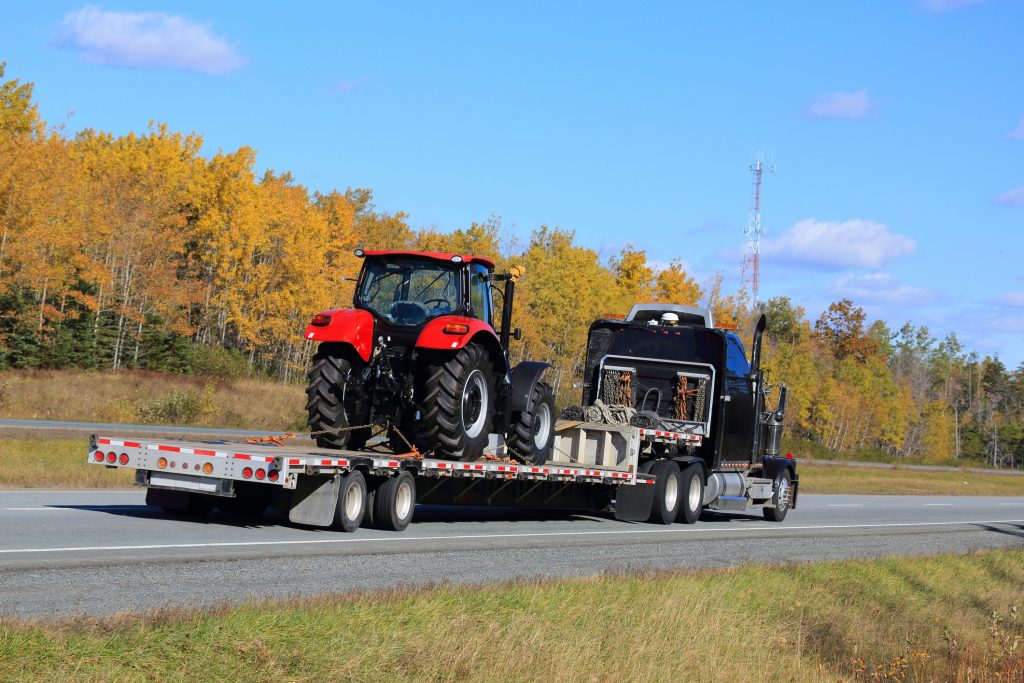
[(739, 409)]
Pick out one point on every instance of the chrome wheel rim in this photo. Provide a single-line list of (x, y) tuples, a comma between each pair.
[(671, 492), (403, 501), (783, 495), (353, 501), (695, 494), (474, 404)]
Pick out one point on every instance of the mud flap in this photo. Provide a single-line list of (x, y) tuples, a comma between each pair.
[(314, 501), (633, 503)]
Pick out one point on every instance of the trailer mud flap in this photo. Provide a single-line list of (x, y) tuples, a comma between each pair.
[(633, 503), (314, 501)]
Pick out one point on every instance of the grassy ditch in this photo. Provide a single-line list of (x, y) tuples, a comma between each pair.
[(944, 618), (151, 398)]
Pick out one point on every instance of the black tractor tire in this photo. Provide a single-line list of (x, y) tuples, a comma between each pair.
[(691, 494), (352, 497), (532, 432), (331, 404), (667, 492), (394, 502), (781, 497), (458, 405)]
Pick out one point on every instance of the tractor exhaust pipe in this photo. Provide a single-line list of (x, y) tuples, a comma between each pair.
[(506, 312), (755, 349)]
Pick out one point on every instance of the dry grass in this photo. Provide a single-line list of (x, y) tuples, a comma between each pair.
[(55, 463), (950, 618), (151, 398), (866, 480)]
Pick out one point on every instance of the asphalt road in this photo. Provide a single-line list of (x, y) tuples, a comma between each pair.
[(99, 552)]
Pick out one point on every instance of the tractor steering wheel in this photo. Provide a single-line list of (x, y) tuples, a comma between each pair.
[(440, 300)]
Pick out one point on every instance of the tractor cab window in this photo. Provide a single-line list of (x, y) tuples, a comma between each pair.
[(480, 292), (409, 292), (735, 358)]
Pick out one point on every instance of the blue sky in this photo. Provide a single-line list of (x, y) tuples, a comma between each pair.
[(897, 126)]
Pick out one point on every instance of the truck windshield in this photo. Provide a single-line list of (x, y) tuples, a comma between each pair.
[(410, 291)]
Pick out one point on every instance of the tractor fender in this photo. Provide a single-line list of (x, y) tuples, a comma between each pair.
[(351, 326), (524, 378), (434, 337)]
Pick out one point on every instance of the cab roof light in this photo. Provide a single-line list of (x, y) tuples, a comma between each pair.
[(359, 253), (456, 259)]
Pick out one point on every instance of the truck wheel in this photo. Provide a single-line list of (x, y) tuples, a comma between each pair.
[(667, 492), (333, 404), (533, 430), (458, 405), (351, 502), (394, 502), (781, 497), (692, 490)]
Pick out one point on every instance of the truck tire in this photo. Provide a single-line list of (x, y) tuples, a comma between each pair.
[(691, 494), (532, 432), (331, 403), (351, 502), (783, 493), (394, 502), (667, 492), (458, 405)]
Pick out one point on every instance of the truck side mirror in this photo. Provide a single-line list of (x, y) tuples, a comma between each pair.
[(517, 334)]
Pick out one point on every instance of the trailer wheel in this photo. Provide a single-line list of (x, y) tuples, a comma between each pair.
[(333, 403), (458, 405), (533, 431), (351, 502), (692, 490), (668, 492), (394, 502), (783, 493)]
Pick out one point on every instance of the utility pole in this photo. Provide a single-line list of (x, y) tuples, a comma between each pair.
[(750, 277)]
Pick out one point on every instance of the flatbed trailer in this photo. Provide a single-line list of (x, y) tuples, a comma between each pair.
[(593, 466)]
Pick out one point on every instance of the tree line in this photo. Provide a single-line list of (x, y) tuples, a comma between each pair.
[(137, 251)]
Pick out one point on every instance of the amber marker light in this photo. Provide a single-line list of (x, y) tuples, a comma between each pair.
[(456, 328)]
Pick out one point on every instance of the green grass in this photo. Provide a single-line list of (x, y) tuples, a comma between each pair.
[(868, 480), (939, 618)]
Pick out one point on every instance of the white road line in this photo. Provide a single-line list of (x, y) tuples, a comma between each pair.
[(937, 505), (407, 539)]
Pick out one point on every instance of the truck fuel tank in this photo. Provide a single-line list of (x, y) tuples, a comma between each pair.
[(729, 484)]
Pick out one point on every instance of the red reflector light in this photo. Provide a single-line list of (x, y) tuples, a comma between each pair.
[(274, 475), (789, 456), (111, 457), (247, 473), (456, 328), (321, 320), (99, 456), (124, 458), (261, 474)]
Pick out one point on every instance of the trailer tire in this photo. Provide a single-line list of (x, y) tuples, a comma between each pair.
[(351, 509), (330, 404), (691, 494), (781, 497), (532, 431), (458, 404), (394, 502), (667, 492)]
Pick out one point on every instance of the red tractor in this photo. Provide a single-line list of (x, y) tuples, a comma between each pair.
[(418, 354)]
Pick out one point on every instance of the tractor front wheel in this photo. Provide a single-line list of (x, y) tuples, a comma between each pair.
[(532, 431), (458, 405), (334, 404)]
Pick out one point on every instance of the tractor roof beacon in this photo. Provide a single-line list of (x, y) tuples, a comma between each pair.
[(418, 356)]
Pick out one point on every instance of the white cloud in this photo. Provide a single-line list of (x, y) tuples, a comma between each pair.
[(1018, 132), (881, 288), (1012, 299), (146, 40), (346, 87), (1011, 198), (946, 5), (841, 105), (854, 243)]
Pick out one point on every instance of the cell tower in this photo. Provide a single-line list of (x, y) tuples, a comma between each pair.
[(750, 279)]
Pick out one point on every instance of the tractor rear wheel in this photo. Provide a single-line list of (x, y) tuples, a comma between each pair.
[(334, 404), (458, 405), (533, 430)]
